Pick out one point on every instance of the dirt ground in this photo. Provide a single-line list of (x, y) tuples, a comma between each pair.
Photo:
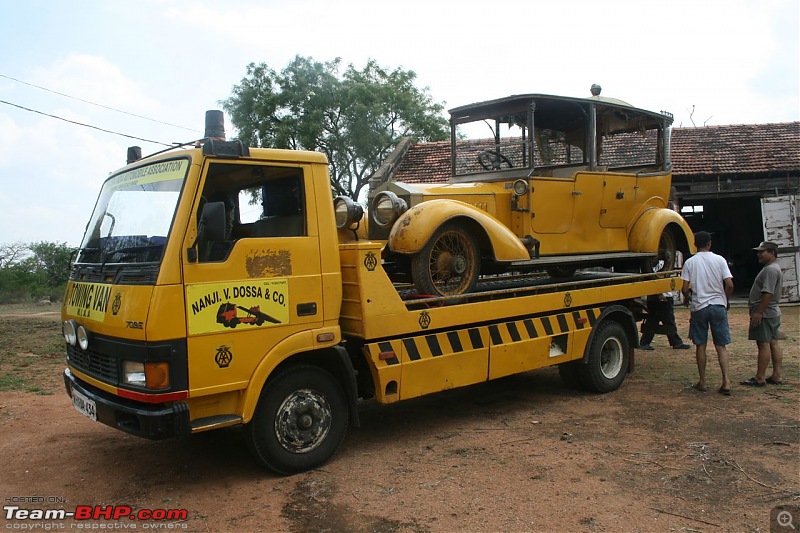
[(519, 454)]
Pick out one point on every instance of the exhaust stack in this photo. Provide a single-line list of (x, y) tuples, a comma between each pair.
[(215, 125), (134, 154), (214, 142)]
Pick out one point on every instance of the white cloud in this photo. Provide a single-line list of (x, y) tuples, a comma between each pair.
[(94, 79)]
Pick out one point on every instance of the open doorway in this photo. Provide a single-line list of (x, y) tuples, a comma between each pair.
[(736, 227)]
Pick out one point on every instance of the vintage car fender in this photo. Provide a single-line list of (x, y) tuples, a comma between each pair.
[(646, 230), (415, 227)]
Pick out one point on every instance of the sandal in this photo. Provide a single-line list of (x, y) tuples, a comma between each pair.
[(724, 391), (752, 382), (773, 381), (699, 388)]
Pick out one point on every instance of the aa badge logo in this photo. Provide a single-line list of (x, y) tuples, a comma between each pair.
[(116, 304), (370, 261), (224, 356), (424, 320)]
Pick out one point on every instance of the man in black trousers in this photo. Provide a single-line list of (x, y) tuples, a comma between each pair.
[(661, 319)]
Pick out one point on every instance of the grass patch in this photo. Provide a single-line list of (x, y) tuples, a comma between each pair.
[(34, 354)]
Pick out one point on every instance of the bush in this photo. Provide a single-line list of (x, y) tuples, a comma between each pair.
[(30, 272)]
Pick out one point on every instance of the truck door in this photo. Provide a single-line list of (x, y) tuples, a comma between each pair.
[(253, 279)]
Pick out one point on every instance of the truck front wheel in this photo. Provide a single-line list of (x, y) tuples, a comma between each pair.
[(608, 359), (300, 421)]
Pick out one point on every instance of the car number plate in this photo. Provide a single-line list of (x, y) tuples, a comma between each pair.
[(84, 405)]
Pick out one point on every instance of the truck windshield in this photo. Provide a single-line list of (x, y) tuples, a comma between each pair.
[(133, 215)]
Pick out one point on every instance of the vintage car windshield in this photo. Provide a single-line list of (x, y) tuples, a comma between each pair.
[(567, 132), (133, 215)]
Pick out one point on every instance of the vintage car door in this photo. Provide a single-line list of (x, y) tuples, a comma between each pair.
[(552, 204), (618, 200)]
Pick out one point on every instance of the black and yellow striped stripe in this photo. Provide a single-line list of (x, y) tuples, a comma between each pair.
[(390, 352), (412, 366)]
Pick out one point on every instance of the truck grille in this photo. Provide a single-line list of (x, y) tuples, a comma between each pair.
[(98, 365)]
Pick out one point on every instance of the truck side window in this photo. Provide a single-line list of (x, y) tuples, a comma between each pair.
[(283, 210), (259, 201)]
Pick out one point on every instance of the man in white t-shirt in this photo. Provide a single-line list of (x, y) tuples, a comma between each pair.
[(707, 287)]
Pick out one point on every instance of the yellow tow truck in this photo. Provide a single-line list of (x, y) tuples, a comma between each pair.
[(188, 243)]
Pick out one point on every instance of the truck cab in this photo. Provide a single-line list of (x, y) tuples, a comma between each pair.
[(182, 248)]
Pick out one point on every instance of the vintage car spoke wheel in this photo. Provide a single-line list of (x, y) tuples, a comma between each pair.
[(448, 264), (300, 421), (491, 160), (667, 250), (608, 359), (666, 255)]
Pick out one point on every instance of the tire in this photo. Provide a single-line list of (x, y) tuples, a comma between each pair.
[(608, 359), (300, 421), (448, 264), (666, 254)]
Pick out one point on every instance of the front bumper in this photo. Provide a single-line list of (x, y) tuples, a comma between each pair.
[(159, 421)]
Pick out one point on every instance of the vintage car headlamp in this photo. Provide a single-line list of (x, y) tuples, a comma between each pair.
[(70, 330), (347, 212), (386, 208), (83, 338), (520, 187)]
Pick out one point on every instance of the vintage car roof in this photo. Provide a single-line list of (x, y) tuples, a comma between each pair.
[(490, 108)]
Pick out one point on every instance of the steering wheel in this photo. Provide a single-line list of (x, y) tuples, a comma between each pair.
[(493, 160)]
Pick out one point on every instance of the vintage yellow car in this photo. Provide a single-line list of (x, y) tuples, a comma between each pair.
[(538, 182)]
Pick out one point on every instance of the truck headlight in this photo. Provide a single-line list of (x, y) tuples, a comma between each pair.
[(70, 330), (347, 212), (83, 338), (151, 375), (386, 208)]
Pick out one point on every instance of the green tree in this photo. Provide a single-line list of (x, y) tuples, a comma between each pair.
[(32, 271), (355, 118), (52, 260)]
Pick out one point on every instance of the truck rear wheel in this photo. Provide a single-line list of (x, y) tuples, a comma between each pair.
[(448, 264), (300, 421), (608, 359)]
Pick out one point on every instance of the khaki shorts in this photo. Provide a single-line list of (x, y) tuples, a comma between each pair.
[(766, 331)]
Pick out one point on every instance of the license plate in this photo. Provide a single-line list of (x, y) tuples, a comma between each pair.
[(84, 405)]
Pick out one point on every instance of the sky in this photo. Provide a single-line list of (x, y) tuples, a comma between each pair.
[(151, 68)]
